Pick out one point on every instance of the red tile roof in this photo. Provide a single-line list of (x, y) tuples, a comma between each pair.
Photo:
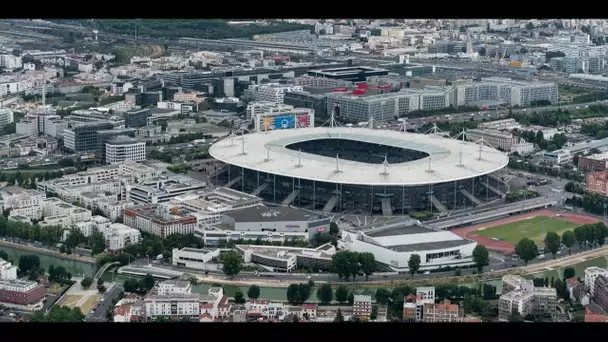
[(224, 302), (122, 310), (595, 318), (309, 306), (573, 282), (206, 306)]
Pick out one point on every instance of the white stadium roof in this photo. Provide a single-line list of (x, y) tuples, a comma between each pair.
[(444, 157)]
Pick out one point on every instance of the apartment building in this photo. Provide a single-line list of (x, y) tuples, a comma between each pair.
[(362, 306), (597, 182), (445, 312), (600, 292), (520, 295), (413, 308), (6, 117), (426, 294), (161, 189), (500, 140), (158, 220), (8, 271), (20, 292), (22, 202), (591, 274), (118, 236)]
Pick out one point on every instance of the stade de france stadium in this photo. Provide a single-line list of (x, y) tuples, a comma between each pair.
[(347, 169)]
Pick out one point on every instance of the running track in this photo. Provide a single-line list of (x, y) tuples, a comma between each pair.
[(508, 247)]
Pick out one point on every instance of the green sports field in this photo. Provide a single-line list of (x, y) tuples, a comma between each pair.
[(531, 228)]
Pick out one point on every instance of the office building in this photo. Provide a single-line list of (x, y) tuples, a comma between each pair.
[(362, 306), (84, 138), (150, 98), (103, 136), (591, 274), (122, 148), (137, 117), (158, 220), (257, 107), (286, 259), (506, 91), (353, 74), (593, 163), (302, 99), (20, 292), (558, 157), (193, 258), (274, 92), (500, 140), (161, 189)]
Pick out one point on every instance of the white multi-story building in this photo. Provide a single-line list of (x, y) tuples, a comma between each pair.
[(175, 305), (6, 117), (113, 209), (259, 107), (8, 271), (500, 125), (506, 90), (426, 294), (85, 67), (171, 287), (558, 157), (194, 258), (10, 62), (27, 127), (158, 220), (123, 148), (496, 139), (362, 306), (591, 273), (118, 236), (522, 147), (275, 92), (22, 202), (520, 295)]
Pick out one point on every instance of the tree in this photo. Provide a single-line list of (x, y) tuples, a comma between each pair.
[(239, 297), (354, 319), (345, 264), (232, 263), (526, 250), (3, 255), (367, 261), (515, 316), (414, 264), (253, 292), (97, 242), (568, 239), (325, 294), (148, 282), (295, 319), (481, 257), (333, 228), (131, 285), (552, 242), (341, 294), (569, 272), (293, 294), (86, 282), (28, 262), (530, 26), (339, 317), (382, 296), (351, 298), (99, 281)]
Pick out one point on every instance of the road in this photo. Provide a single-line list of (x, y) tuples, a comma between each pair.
[(493, 114), (99, 315)]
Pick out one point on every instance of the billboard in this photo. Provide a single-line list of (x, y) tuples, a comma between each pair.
[(282, 122), (303, 120), (268, 124), (321, 229)]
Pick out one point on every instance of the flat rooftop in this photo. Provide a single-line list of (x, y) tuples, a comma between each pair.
[(271, 214), (400, 231), (429, 246)]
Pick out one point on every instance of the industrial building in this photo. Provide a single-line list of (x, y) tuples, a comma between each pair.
[(353, 74)]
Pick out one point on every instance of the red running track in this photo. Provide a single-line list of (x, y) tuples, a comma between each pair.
[(508, 247)]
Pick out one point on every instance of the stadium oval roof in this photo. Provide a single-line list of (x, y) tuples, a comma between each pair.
[(444, 157)]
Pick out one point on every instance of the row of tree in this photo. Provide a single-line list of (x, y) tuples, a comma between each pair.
[(585, 236), (590, 202), (545, 169)]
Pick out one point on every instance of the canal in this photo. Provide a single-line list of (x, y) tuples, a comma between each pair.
[(273, 293)]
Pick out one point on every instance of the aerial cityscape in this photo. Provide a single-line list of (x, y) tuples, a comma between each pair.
[(303, 170)]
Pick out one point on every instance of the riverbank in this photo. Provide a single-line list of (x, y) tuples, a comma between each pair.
[(49, 252)]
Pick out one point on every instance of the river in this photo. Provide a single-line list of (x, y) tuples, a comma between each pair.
[(273, 293)]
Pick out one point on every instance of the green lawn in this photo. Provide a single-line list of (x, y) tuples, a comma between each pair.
[(531, 228)]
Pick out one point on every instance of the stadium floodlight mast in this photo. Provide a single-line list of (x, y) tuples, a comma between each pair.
[(299, 164), (243, 152), (337, 164), (434, 130), (331, 122), (430, 169), (460, 159), (386, 165), (267, 155)]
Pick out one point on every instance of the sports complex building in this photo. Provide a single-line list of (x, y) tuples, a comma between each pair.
[(338, 169)]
